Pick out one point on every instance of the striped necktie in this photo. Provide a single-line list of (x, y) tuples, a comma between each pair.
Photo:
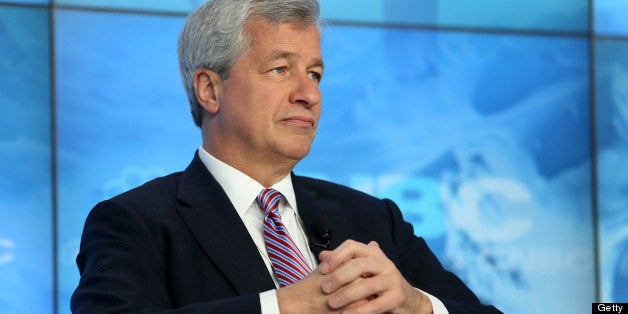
[(287, 261)]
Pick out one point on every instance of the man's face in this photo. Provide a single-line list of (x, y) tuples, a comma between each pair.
[(270, 104)]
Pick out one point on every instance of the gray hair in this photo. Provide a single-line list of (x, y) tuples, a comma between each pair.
[(213, 35)]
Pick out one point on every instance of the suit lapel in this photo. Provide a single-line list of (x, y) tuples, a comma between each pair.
[(315, 210), (218, 229)]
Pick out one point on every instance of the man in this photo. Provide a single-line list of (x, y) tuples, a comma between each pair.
[(206, 240)]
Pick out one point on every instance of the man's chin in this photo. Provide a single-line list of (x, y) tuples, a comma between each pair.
[(297, 152)]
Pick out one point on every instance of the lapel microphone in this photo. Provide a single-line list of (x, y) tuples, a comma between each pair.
[(322, 232)]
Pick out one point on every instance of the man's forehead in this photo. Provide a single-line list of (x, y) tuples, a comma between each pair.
[(277, 42)]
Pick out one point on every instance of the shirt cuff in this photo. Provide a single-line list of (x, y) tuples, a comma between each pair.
[(437, 306), (269, 303)]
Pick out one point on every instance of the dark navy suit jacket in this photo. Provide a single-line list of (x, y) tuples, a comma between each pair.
[(177, 245)]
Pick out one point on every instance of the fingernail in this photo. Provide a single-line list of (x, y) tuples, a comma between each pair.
[(326, 286), (323, 267), (333, 301)]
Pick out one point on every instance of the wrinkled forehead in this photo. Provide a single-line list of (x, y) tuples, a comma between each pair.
[(263, 30)]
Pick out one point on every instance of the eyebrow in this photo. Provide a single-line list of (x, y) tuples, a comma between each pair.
[(282, 54)]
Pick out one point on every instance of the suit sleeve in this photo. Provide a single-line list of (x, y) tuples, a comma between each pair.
[(123, 270), (423, 270)]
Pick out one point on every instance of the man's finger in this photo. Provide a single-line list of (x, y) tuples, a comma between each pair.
[(361, 290), (350, 272), (330, 260)]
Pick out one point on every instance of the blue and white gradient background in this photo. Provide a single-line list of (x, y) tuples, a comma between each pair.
[(478, 124), (26, 236)]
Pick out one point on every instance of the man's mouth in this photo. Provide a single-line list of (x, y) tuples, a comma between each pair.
[(301, 121)]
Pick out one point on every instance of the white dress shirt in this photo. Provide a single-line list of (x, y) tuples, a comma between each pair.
[(242, 191)]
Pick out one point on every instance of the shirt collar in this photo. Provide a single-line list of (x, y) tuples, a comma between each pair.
[(240, 188)]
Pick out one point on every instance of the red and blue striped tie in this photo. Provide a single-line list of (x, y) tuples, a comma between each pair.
[(286, 258)]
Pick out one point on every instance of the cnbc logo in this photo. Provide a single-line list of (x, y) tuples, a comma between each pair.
[(6, 256)]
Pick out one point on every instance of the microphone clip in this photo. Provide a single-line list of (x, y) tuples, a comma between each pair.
[(322, 232)]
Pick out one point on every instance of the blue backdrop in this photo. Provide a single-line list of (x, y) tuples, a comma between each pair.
[(479, 125), (26, 216)]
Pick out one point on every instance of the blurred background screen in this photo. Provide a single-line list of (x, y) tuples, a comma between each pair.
[(499, 127)]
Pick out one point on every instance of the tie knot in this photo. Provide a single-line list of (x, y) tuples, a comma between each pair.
[(268, 200)]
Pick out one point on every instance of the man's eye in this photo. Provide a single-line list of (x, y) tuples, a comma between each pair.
[(316, 76), (279, 70)]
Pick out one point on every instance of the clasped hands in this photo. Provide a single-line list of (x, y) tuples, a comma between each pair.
[(353, 278)]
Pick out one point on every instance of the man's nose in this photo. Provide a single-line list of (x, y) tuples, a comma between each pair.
[(306, 91)]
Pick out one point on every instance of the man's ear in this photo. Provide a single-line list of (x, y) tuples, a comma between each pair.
[(207, 86)]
